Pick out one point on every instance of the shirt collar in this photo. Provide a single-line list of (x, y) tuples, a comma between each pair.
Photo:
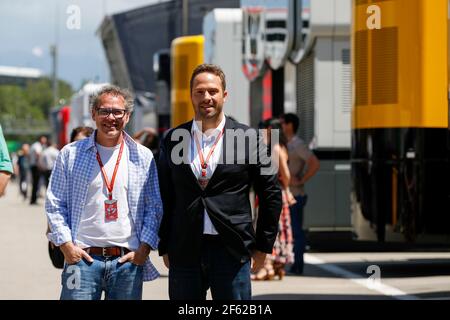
[(214, 131)]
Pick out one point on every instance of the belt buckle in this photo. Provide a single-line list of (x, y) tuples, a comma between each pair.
[(104, 253)]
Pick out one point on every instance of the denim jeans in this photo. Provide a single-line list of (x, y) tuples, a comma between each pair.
[(86, 281), (228, 278), (298, 233)]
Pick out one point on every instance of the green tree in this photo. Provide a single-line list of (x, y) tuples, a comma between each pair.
[(17, 114), (26, 110), (14, 104), (40, 94)]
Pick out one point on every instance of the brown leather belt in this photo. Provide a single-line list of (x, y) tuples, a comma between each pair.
[(107, 252)]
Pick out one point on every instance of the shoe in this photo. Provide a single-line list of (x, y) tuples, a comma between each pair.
[(296, 270), (263, 274), (279, 271)]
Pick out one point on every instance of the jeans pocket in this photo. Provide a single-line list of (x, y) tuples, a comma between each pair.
[(130, 267), (71, 264), (136, 270), (71, 270)]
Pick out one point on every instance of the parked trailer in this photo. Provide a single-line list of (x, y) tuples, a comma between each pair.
[(400, 124), (59, 122), (222, 29)]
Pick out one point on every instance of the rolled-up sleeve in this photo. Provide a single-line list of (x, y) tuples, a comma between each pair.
[(153, 209), (56, 203)]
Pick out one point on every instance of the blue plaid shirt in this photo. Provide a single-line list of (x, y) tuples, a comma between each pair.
[(70, 179)]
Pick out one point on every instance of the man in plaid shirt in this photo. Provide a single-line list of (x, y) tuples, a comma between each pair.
[(104, 206)]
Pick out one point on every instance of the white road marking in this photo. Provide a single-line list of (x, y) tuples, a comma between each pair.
[(371, 285)]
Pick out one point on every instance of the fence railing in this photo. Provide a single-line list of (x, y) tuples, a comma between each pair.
[(24, 127)]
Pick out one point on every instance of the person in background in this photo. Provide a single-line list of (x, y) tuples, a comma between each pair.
[(35, 152), (303, 165), (151, 140), (282, 253), (79, 133), (47, 160), (6, 168), (23, 168)]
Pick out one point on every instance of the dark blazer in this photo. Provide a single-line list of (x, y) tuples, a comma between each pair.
[(226, 199)]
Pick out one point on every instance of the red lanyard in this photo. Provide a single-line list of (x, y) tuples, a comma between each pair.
[(204, 163), (110, 186)]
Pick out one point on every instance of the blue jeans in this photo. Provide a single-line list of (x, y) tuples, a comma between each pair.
[(86, 281), (227, 278), (298, 233)]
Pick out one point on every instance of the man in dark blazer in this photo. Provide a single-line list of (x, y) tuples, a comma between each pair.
[(207, 238)]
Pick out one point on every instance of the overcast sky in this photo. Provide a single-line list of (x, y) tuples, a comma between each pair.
[(29, 27)]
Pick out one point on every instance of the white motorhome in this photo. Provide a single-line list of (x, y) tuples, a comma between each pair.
[(222, 29), (80, 110), (324, 75), (324, 96)]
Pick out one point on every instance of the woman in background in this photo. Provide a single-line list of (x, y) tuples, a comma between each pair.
[(79, 133), (282, 253), (151, 140)]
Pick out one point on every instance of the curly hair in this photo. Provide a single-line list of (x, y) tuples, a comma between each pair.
[(95, 98)]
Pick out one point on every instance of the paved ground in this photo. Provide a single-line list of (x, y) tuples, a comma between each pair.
[(27, 273)]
